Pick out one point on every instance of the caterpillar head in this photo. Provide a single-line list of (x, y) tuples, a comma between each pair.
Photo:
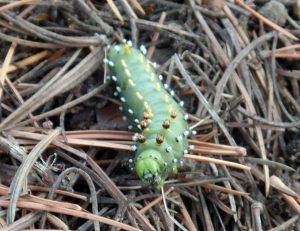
[(149, 167)]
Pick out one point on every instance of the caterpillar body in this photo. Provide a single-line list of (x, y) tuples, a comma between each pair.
[(159, 119)]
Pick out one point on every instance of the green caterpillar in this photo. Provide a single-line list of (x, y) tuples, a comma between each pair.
[(162, 125)]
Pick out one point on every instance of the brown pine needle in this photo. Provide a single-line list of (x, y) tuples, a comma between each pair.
[(156, 201), (287, 48), (27, 61), (287, 56), (216, 161), (225, 190), (211, 151), (16, 4), (5, 68), (137, 5), (115, 10), (71, 212)]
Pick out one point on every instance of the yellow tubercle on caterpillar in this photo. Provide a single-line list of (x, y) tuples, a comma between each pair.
[(148, 108), (146, 104), (131, 82), (170, 108), (148, 67), (123, 63), (141, 58), (127, 72), (157, 86), (126, 49), (166, 98), (139, 95), (152, 77)]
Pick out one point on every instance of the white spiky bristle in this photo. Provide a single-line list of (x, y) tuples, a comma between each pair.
[(169, 149), (186, 116), (129, 43), (191, 146), (179, 138), (143, 49), (186, 133), (133, 148), (134, 137)]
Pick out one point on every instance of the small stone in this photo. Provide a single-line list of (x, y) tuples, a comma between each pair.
[(275, 11)]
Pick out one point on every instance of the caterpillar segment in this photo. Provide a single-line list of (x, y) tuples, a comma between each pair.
[(160, 123)]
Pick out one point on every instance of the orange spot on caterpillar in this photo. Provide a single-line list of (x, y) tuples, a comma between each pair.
[(159, 139), (141, 138), (144, 124), (146, 115), (166, 124), (173, 114)]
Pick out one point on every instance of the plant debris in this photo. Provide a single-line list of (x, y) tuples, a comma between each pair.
[(66, 154)]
